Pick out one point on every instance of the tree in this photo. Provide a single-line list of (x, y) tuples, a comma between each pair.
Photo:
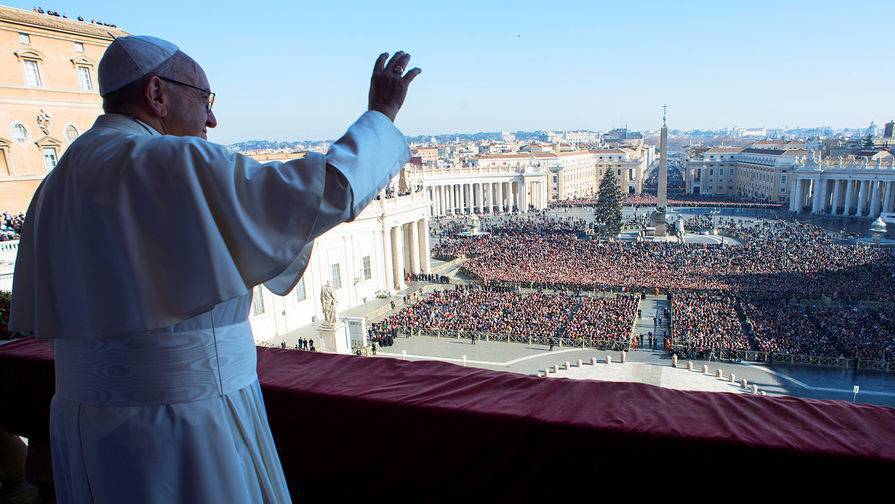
[(609, 206)]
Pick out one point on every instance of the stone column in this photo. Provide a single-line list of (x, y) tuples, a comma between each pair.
[(481, 186), (500, 198), (424, 250), (514, 188), (849, 196), (414, 249), (874, 200), (793, 196), (398, 257), (467, 198), (523, 196), (862, 199), (388, 258), (834, 208), (816, 196), (890, 197), (474, 200)]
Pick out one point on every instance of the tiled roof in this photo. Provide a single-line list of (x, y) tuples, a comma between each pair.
[(723, 150), (19, 16), (765, 152), (504, 156)]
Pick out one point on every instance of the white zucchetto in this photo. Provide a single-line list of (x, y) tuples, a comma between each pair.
[(130, 58)]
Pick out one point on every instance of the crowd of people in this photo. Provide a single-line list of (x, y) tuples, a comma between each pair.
[(706, 322), (787, 288), (494, 310), (11, 226), (790, 259)]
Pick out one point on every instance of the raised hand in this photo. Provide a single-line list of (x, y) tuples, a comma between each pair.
[(388, 86)]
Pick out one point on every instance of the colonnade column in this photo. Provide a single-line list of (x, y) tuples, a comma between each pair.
[(849, 197), (874, 199), (387, 258), (816, 196), (423, 250), (513, 191), (500, 203), (890, 197), (481, 186), (794, 196), (398, 256), (414, 249), (834, 208), (862, 198)]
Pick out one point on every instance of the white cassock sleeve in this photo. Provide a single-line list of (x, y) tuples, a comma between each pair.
[(136, 232)]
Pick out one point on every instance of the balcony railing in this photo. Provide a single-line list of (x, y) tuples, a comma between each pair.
[(380, 428)]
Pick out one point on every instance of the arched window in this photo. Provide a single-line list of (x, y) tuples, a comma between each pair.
[(71, 133), (19, 133)]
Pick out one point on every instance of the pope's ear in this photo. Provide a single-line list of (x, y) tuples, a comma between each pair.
[(154, 97)]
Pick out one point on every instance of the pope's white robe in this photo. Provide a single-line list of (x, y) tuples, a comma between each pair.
[(138, 256)]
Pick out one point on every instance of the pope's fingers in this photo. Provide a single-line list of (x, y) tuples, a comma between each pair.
[(412, 75), (380, 62), (402, 62), (391, 62)]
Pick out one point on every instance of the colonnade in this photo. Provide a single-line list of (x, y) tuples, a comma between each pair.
[(406, 251), (486, 197), (846, 197)]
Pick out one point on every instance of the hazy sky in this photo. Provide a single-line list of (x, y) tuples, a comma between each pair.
[(300, 70)]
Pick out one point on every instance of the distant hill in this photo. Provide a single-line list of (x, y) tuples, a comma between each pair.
[(475, 137), (526, 136), (264, 144)]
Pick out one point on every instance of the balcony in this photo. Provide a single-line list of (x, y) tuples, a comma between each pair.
[(379, 428)]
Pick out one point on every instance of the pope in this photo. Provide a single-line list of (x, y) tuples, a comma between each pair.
[(137, 259)]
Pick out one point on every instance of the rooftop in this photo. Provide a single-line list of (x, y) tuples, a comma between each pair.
[(38, 20)]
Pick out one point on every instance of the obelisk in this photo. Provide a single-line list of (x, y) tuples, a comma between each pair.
[(659, 216)]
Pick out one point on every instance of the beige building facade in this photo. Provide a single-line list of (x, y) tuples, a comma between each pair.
[(49, 95), (750, 173)]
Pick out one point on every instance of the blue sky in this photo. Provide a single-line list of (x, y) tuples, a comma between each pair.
[(300, 70)]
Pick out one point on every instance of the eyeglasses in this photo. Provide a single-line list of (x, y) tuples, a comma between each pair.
[(210, 94)]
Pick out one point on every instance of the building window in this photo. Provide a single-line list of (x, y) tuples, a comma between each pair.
[(300, 294), (84, 78), (32, 73), (24, 38), (368, 268), (79, 46), (49, 154), (71, 133), (19, 133), (257, 301), (336, 274)]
